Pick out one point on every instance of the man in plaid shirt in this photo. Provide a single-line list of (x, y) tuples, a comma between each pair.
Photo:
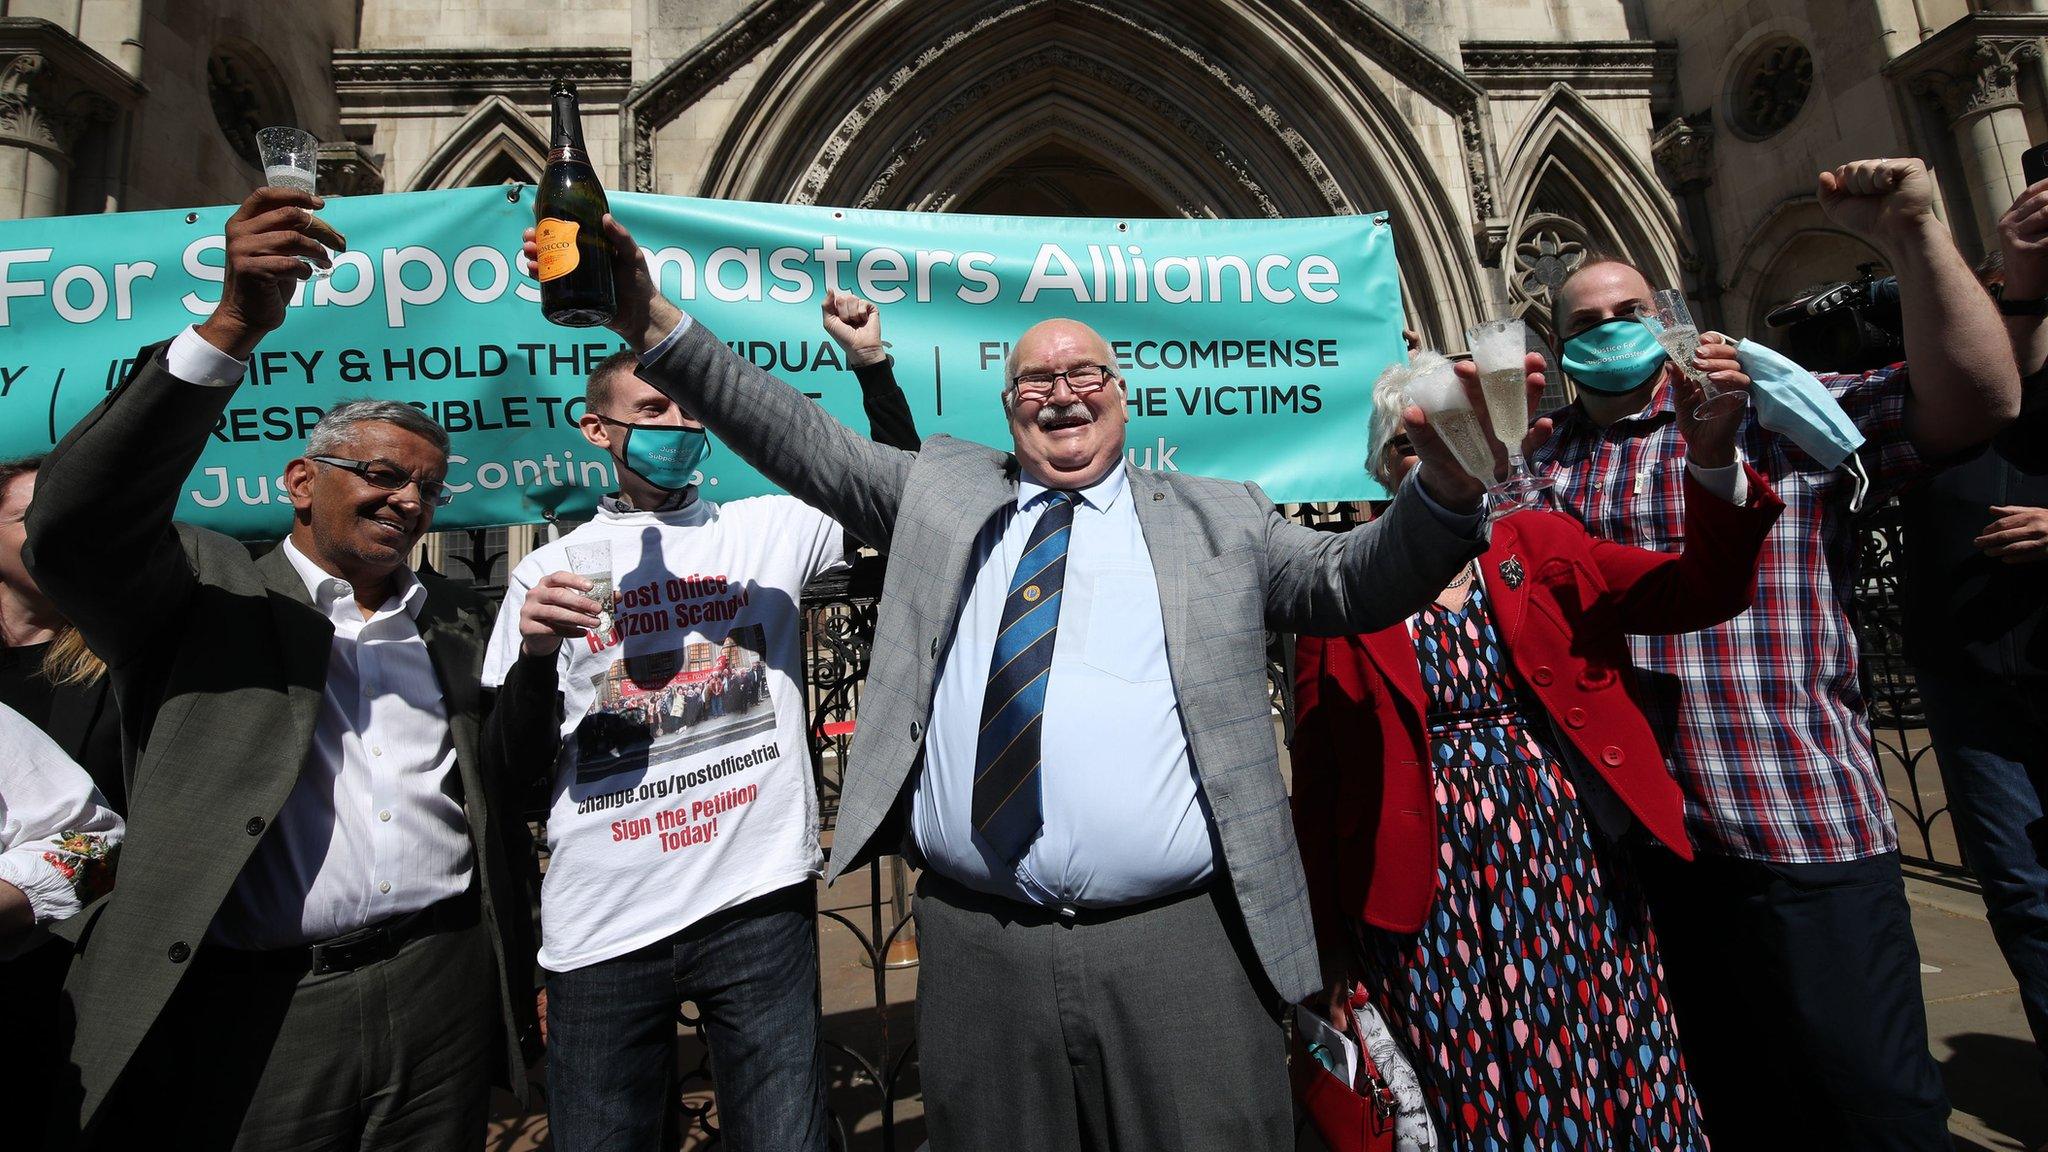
[(1788, 943)]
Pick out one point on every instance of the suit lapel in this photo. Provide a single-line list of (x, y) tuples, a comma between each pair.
[(453, 653), (1162, 520), (306, 637), (1393, 650)]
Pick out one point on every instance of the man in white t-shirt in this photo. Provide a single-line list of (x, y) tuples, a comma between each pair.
[(650, 662)]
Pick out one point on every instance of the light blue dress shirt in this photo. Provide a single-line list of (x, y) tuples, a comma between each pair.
[(1124, 816)]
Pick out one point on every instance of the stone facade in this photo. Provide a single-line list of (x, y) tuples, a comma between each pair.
[(1505, 137)]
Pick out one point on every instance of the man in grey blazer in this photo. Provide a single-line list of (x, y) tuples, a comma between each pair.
[(1066, 720), (318, 937)]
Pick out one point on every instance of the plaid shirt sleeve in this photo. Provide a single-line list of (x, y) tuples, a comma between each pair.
[(1876, 404)]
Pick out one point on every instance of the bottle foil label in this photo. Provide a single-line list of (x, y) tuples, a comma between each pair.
[(556, 240)]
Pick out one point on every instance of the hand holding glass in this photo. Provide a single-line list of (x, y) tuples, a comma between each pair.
[(291, 159), (1500, 351), (1671, 323), (1436, 389), (593, 562)]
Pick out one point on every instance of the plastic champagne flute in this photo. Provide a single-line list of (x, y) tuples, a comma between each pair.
[(291, 159), (1500, 349), (1671, 323), (1434, 387)]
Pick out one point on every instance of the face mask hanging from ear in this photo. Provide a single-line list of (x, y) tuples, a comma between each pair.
[(1613, 357), (1794, 403), (665, 455)]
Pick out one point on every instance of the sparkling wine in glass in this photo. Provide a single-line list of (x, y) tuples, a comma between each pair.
[(291, 159), (1671, 323), (1434, 387), (1500, 349), (593, 562)]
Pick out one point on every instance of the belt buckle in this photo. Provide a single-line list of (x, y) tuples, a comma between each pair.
[(351, 955)]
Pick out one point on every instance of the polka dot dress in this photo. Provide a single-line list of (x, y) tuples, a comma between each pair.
[(1533, 997)]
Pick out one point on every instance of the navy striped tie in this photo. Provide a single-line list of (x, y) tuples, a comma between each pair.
[(1006, 805)]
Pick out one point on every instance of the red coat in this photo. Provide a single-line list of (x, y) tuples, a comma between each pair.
[(1564, 602)]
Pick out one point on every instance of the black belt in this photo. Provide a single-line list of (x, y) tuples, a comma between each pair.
[(930, 883), (365, 946)]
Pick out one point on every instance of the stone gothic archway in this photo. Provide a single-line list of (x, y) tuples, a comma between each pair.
[(1207, 109)]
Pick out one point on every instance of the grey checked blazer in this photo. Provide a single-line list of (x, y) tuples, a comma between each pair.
[(1229, 567)]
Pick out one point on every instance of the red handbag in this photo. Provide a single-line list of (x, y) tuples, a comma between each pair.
[(1346, 1120)]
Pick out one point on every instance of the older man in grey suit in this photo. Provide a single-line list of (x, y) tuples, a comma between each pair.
[(1066, 719)]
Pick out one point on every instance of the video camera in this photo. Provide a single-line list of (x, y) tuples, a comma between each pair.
[(1844, 327)]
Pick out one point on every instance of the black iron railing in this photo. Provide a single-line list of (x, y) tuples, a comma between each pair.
[(838, 626)]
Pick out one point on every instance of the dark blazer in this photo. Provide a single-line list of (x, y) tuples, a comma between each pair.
[(219, 663), (1565, 603)]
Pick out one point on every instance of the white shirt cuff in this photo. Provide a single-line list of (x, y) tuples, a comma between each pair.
[(661, 349), (194, 361), (1729, 482)]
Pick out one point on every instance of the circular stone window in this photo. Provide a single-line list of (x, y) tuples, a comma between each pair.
[(247, 96), (1770, 88)]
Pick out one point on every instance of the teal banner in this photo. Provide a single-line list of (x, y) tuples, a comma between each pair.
[(1249, 347)]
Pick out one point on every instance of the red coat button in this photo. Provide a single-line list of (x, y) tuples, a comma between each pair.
[(1542, 676), (1575, 717), (1611, 755), (1594, 679)]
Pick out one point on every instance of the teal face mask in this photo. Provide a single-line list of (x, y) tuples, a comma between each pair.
[(665, 455), (1613, 357)]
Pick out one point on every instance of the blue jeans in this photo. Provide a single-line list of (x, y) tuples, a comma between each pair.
[(1990, 734), (752, 972)]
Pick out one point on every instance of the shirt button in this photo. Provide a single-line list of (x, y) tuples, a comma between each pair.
[(385, 815), (376, 750), (1575, 717), (1612, 756), (180, 952), (255, 826), (384, 887)]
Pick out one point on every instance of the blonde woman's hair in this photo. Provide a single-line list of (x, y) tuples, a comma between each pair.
[(69, 661)]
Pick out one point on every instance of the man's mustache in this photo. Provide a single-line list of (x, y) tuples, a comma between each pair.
[(1049, 415)]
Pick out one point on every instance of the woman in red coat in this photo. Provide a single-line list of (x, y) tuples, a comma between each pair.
[(1461, 784)]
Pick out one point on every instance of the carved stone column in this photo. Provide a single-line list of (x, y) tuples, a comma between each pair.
[(1684, 151), (1979, 94), (33, 163), (60, 101)]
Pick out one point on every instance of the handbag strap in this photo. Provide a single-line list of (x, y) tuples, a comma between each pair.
[(1379, 1091)]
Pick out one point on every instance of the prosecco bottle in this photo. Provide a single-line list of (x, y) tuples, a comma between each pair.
[(575, 265)]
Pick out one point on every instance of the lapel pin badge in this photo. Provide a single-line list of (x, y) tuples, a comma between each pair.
[(1511, 571)]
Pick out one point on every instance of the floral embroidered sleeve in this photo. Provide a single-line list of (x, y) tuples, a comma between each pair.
[(58, 838)]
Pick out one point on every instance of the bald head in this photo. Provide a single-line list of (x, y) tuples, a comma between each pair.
[(1046, 330)]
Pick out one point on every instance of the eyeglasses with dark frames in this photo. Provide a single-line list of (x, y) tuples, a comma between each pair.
[(391, 478), (1082, 380)]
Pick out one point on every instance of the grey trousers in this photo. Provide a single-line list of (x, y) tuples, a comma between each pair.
[(1145, 1030), (394, 1055)]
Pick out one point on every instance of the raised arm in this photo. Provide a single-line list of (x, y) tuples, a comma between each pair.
[(1710, 582), (1363, 580), (856, 326), (781, 432), (1963, 385), (100, 540)]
